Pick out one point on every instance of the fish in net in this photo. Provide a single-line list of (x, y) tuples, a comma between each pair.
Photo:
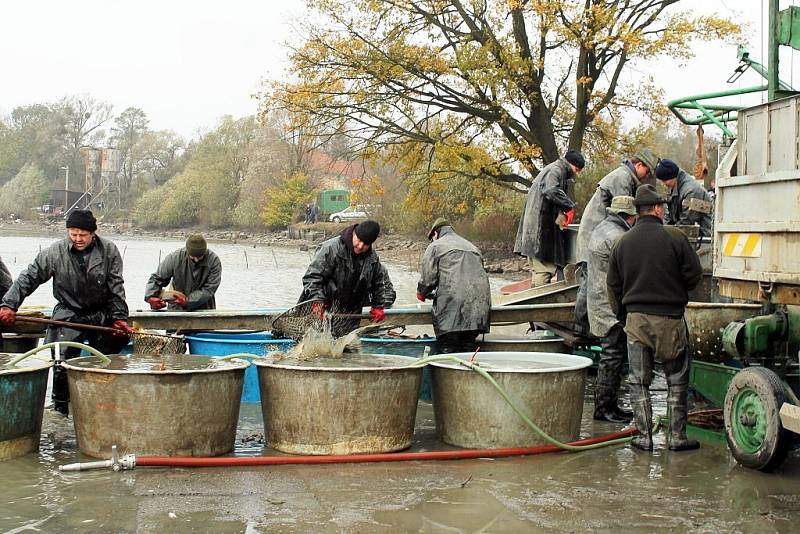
[(327, 336), (157, 344)]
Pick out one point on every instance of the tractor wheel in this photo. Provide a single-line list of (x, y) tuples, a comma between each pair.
[(753, 426)]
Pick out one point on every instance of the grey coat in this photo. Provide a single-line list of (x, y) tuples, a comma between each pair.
[(95, 296), (538, 235), (452, 274), (685, 189), (620, 181), (601, 316), (5, 278), (342, 279), (199, 282)]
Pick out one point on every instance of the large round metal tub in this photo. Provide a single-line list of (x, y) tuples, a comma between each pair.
[(507, 343), (22, 392), (548, 387), (361, 403), (190, 408)]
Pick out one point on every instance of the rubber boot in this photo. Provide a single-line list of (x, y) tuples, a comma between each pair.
[(642, 417), (677, 408), (605, 400)]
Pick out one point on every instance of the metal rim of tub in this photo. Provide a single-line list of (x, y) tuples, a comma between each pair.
[(578, 362), (240, 364), (45, 364), (266, 362)]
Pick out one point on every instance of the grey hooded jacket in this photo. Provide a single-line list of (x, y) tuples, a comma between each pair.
[(199, 282), (452, 274), (96, 295), (340, 278), (686, 189), (538, 235), (601, 316), (620, 181)]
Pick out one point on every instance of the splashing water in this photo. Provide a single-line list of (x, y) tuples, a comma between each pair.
[(319, 342)]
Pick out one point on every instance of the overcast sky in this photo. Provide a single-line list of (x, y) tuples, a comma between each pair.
[(188, 63)]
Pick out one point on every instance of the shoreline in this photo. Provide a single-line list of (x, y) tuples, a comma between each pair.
[(499, 261)]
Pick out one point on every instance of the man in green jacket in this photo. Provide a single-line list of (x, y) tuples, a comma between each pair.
[(195, 272)]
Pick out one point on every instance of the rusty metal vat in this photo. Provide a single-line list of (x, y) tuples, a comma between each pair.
[(361, 403), (22, 393), (191, 408), (548, 388)]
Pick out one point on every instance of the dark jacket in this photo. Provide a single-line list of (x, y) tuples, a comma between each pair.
[(538, 235), (652, 269), (199, 282), (452, 274), (96, 295), (686, 189), (342, 279), (5, 279)]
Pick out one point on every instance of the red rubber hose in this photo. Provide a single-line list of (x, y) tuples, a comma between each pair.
[(459, 454)]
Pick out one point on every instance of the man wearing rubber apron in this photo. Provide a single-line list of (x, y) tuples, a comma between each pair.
[(87, 283), (650, 273), (452, 274), (621, 181)]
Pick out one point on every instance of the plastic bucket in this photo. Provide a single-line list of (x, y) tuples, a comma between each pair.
[(227, 343)]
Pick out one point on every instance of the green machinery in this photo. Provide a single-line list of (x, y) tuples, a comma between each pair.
[(756, 256)]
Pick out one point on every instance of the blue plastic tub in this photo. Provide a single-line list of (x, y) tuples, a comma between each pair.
[(404, 347), (227, 343)]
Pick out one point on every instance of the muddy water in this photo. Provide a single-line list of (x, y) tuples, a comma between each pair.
[(166, 363), (612, 489)]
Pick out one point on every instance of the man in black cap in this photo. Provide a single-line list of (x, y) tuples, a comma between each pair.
[(346, 275), (688, 203), (452, 274), (650, 273), (87, 283), (548, 211), (195, 272)]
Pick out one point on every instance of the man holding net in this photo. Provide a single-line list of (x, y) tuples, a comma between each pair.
[(346, 275), (87, 283)]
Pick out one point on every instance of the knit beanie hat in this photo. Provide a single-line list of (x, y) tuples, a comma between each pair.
[(196, 245), (83, 219), (368, 231), (576, 158), (666, 169)]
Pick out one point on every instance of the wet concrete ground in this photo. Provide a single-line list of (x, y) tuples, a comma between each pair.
[(610, 489)]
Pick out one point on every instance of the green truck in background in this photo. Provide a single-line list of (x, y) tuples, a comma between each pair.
[(332, 200)]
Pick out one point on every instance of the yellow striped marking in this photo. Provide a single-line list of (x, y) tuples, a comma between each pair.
[(741, 245)]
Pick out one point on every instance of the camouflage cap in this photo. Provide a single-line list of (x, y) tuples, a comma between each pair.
[(438, 223), (649, 159), (622, 204)]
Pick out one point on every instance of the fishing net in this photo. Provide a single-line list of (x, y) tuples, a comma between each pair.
[(299, 319), (157, 344)]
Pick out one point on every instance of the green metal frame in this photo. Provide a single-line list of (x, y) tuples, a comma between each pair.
[(784, 29)]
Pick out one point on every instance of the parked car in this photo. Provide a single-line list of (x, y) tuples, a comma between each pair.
[(350, 213)]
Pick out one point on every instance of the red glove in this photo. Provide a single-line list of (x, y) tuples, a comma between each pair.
[(123, 327), (156, 303), (318, 309), (7, 316), (420, 297), (377, 314), (180, 300), (570, 213)]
